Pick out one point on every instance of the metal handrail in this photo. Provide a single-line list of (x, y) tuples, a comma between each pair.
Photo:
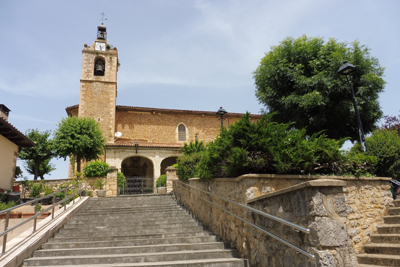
[(298, 227), (37, 214)]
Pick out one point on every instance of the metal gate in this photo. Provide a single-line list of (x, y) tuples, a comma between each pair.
[(138, 185)]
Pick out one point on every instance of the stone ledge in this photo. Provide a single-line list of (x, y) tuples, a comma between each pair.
[(313, 183), (294, 176)]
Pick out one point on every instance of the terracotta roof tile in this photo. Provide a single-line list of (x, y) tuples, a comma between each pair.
[(141, 144)]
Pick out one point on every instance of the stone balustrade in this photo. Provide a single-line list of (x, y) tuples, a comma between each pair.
[(341, 212)]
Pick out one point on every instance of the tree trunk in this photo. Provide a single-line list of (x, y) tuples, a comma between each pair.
[(36, 171), (78, 163)]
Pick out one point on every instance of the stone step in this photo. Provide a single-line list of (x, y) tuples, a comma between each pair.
[(130, 228), (106, 231), (388, 229), (368, 265), (162, 214), (394, 211), (382, 248), (386, 238), (378, 259), (130, 242), (131, 258), (396, 203), (395, 219), (125, 236), (129, 249), (129, 210), (154, 222), (232, 262)]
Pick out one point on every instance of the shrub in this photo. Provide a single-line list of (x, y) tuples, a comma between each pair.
[(36, 189), (47, 190), (269, 147), (99, 183), (384, 145), (96, 169), (121, 180), (187, 165), (193, 147), (89, 193), (4, 206), (161, 181)]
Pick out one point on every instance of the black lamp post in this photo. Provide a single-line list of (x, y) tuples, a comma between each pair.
[(347, 69), (221, 112)]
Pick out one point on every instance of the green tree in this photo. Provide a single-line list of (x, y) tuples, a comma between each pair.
[(299, 80), (41, 152), (45, 167), (385, 146), (193, 147), (80, 137)]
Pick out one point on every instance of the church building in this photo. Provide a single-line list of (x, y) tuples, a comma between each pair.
[(141, 141)]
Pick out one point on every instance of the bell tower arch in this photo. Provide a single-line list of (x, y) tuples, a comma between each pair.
[(98, 90)]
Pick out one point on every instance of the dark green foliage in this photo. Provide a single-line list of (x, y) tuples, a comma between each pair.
[(18, 173), (357, 163), (121, 180), (161, 181), (193, 147), (4, 206), (269, 147), (38, 155), (36, 189), (187, 165), (299, 80), (96, 169), (385, 146), (45, 167), (80, 137)]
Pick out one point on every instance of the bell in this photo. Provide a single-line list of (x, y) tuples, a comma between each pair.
[(99, 70), (101, 36)]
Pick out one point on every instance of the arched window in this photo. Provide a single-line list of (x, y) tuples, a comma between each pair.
[(181, 133), (99, 66)]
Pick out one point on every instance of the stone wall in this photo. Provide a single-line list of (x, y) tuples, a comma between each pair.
[(340, 212), (110, 183)]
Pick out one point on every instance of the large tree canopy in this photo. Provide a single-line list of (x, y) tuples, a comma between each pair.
[(36, 155), (298, 79), (80, 137)]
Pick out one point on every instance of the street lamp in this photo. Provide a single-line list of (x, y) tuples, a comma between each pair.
[(221, 112), (347, 69)]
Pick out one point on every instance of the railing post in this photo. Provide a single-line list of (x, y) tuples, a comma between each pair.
[(65, 199), (35, 220), (5, 229), (54, 204)]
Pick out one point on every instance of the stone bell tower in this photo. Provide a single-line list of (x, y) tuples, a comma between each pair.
[(98, 91)]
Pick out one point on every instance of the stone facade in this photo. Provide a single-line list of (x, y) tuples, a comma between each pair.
[(340, 212), (148, 133)]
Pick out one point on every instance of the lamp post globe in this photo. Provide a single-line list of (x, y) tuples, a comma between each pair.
[(221, 112)]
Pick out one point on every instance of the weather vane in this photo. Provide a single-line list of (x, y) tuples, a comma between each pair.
[(102, 17)]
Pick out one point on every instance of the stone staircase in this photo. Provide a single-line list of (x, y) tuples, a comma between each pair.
[(384, 249), (134, 231)]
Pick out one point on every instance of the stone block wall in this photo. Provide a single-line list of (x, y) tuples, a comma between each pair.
[(341, 214)]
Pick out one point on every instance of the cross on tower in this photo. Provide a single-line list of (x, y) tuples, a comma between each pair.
[(102, 17)]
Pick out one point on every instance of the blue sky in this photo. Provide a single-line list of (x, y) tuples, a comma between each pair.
[(179, 54)]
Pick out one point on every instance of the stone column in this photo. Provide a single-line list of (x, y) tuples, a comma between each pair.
[(170, 173), (111, 182)]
